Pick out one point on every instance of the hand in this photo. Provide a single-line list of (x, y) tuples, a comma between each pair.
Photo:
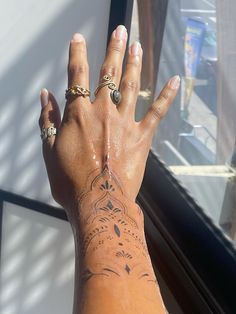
[(94, 134)]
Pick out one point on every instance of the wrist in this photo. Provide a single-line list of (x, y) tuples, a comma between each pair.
[(103, 191), (97, 212), (104, 212), (110, 230)]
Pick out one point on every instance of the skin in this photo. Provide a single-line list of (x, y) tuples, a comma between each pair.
[(95, 166)]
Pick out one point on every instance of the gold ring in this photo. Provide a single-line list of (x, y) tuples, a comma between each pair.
[(107, 81), (77, 90)]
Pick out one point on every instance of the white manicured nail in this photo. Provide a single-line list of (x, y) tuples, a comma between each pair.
[(175, 82), (44, 97), (135, 48)]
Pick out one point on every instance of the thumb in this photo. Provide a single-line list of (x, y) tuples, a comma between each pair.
[(49, 120)]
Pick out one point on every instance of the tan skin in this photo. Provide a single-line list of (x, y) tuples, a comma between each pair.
[(95, 166)]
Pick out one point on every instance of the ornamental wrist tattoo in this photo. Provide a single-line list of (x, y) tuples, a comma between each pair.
[(111, 239)]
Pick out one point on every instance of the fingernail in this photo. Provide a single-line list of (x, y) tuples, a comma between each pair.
[(78, 38), (135, 49), (120, 32), (44, 97), (174, 82)]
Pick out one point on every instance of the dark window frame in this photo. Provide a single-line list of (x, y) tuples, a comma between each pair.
[(205, 256), (181, 229)]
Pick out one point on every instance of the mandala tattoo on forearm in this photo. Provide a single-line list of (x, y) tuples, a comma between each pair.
[(110, 221)]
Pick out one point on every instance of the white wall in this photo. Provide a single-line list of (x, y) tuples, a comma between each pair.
[(34, 37), (37, 263), (37, 253)]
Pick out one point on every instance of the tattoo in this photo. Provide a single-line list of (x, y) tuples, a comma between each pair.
[(117, 230), (127, 268), (111, 270), (111, 219), (144, 275), (87, 274), (107, 186), (123, 254)]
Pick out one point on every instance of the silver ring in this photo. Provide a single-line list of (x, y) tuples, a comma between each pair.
[(48, 132)]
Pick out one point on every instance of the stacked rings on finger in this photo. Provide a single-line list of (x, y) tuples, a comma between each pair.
[(48, 132), (115, 93), (76, 90)]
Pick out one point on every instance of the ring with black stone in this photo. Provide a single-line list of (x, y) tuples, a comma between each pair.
[(115, 93), (115, 96)]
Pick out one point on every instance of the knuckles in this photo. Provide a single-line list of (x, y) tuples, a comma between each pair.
[(74, 112), (160, 107), (156, 112), (115, 48), (165, 95), (75, 69), (133, 63), (131, 85), (110, 70)]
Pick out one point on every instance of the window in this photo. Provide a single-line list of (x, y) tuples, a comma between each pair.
[(196, 139)]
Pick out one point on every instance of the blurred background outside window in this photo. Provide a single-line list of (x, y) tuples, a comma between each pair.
[(196, 140)]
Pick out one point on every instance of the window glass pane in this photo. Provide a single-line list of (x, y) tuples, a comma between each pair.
[(196, 139), (37, 263)]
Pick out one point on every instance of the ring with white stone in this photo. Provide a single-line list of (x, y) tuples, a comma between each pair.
[(48, 132)]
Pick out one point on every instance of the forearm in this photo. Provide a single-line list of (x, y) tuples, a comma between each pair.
[(114, 273), (113, 268)]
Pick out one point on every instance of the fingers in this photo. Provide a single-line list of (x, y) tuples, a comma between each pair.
[(78, 69), (114, 58), (49, 117), (130, 83), (160, 107)]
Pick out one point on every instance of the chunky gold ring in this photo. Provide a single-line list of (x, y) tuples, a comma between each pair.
[(77, 90), (48, 132), (115, 93)]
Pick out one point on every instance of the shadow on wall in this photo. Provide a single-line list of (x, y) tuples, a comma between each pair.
[(43, 63), (37, 263)]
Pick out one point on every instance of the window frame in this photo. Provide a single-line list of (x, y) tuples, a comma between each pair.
[(199, 256), (182, 230)]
